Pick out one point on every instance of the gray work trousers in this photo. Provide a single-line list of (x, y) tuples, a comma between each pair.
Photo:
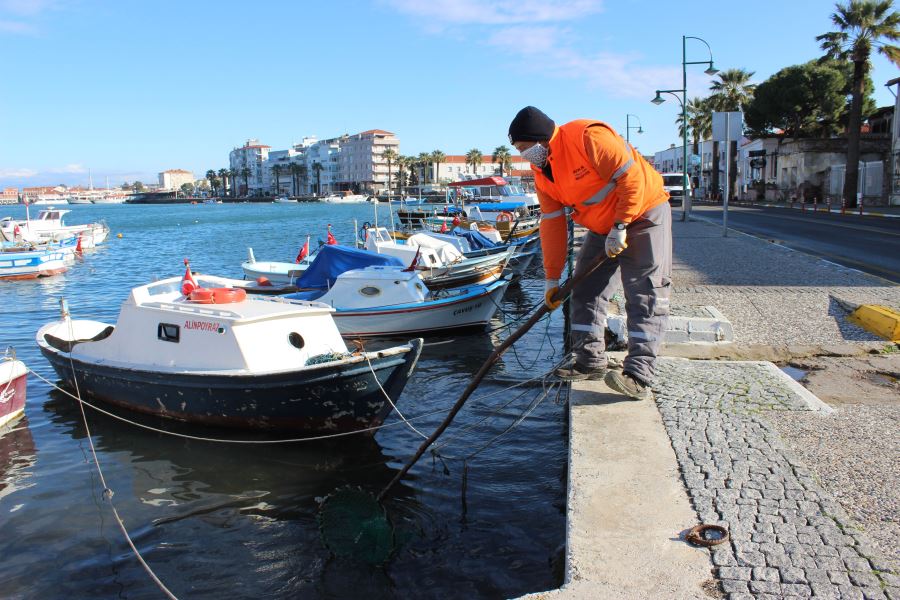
[(646, 268)]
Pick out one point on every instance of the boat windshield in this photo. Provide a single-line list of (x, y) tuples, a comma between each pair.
[(160, 289)]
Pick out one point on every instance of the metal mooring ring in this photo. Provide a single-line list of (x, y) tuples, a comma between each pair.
[(696, 535)]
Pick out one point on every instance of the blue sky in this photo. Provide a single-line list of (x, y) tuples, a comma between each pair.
[(128, 88)]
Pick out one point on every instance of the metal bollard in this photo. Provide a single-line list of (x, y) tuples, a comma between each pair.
[(843, 205)]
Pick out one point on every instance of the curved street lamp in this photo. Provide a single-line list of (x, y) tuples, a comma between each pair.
[(629, 127), (710, 70)]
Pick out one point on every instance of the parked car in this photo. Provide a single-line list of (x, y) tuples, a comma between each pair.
[(674, 184)]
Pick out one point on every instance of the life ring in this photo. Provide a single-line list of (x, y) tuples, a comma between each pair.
[(504, 217), (218, 295)]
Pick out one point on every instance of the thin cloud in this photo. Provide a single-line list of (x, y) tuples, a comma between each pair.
[(73, 168), (17, 173), (496, 12), (537, 35), (16, 27), (26, 8)]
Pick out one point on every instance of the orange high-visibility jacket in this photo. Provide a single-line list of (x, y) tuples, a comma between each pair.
[(599, 175)]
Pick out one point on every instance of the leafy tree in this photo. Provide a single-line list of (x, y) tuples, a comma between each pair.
[(391, 156), (802, 100), (187, 189), (126, 186), (862, 25), (137, 186), (502, 157), (437, 157), (474, 158)]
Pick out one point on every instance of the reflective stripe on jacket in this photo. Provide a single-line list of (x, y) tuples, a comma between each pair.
[(600, 177)]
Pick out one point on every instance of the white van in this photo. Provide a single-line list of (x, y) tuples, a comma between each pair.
[(674, 184)]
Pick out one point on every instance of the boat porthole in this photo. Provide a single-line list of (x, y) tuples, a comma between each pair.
[(296, 340), (419, 286), (220, 330), (369, 291)]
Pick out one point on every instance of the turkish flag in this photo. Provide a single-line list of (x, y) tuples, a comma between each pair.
[(304, 251), (331, 241), (188, 284)]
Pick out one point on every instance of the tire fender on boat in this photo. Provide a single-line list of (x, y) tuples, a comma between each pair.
[(504, 217), (218, 295)]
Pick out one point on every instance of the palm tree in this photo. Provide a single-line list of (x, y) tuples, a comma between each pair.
[(862, 25), (404, 163), (317, 169), (437, 157), (303, 174), (294, 169), (391, 156), (223, 175), (245, 173), (699, 123), (424, 159), (474, 158), (211, 177), (276, 173), (731, 92), (232, 175), (502, 157)]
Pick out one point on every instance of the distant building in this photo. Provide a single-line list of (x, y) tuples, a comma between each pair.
[(9, 195), (173, 179), (45, 193), (247, 163), (455, 168), (895, 144)]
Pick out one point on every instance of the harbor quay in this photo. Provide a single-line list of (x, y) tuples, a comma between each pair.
[(801, 474)]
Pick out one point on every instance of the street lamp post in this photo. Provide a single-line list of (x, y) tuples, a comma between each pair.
[(710, 70), (629, 127)]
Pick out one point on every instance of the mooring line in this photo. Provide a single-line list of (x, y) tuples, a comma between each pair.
[(390, 401), (107, 491)]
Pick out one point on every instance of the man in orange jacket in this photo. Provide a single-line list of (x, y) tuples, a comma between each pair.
[(588, 171)]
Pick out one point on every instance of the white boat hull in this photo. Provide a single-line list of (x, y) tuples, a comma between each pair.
[(34, 264)]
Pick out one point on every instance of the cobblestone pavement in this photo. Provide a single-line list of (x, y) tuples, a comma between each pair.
[(789, 537), (769, 293)]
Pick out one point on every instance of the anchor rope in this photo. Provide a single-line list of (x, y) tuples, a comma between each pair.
[(390, 401)]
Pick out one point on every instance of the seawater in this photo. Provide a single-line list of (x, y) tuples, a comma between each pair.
[(221, 520)]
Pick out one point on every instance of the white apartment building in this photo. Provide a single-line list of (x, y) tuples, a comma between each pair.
[(349, 162), (454, 168), (251, 156), (173, 179)]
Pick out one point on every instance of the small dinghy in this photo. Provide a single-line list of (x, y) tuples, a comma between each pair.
[(390, 300), (213, 356), (12, 389), (18, 261)]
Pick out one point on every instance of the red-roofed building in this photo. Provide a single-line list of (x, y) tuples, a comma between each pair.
[(456, 168), (9, 195)]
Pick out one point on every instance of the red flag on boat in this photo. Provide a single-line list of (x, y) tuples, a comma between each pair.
[(16, 231), (304, 251), (443, 226), (415, 261), (456, 220), (330, 241), (78, 245), (188, 283)]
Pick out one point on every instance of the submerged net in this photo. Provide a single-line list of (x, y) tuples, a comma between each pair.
[(354, 525)]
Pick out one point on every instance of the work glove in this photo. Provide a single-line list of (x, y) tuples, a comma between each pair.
[(551, 286), (615, 242)]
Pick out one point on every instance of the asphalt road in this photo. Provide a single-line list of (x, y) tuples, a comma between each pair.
[(870, 244)]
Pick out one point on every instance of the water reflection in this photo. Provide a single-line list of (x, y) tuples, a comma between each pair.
[(17, 456)]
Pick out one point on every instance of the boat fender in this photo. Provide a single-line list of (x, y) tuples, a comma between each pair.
[(504, 217), (218, 295), (263, 282)]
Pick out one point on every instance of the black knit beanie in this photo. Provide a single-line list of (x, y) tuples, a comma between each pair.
[(531, 125)]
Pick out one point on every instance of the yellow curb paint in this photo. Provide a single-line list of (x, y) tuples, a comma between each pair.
[(880, 320)]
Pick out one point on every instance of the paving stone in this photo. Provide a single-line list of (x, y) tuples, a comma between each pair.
[(816, 575), (839, 577), (766, 574), (795, 589), (857, 564), (765, 587), (825, 590), (732, 586), (792, 575), (892, 592), (864, 579), (873, 594), (751, 559), (850, 593), (739, 573)]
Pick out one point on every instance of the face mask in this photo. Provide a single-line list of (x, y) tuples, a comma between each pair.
[(536, 155)]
